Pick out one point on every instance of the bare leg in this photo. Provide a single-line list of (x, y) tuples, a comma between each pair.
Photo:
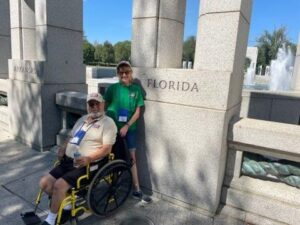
[(135, 178), (46, 184), (60, 189)]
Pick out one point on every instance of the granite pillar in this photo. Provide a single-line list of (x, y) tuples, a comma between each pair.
[(182, 141), (157, 33), (46, 59), (5, 51)]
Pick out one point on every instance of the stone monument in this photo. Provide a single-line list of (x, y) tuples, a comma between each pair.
[(46, 36), (188, 111), (5, 52)]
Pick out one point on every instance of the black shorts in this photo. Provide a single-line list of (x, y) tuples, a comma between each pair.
[(70, 174), (67, 171)]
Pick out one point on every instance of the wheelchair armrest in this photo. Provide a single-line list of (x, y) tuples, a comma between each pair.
[(110, 157), (86, 176)]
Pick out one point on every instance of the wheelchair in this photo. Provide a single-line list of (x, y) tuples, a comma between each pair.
[(100, 192)]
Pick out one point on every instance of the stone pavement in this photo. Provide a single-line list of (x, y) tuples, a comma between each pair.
[(21, 168)]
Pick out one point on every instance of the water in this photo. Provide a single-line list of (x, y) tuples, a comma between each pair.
[(256, 87), (280, 73), (281, 70), (249, 76)]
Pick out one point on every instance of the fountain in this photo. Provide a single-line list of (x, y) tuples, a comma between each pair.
[(281, 70), (249, 76)]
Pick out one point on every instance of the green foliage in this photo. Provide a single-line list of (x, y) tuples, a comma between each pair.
[(122, 51), (189, 49), (269, 43), (108, 55), (98, 52), (88, 52)]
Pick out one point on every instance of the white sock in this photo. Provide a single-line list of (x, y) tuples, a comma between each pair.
[(51, 218), (68, 207)]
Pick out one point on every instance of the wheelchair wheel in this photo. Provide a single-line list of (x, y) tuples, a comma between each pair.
[(109, 188)]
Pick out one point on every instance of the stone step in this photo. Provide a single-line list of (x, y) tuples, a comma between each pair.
[(228, 213), (270, 200)]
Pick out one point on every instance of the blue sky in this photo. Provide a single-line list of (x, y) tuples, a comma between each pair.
[(102, 20)]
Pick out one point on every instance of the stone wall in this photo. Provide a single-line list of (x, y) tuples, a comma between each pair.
[(46, 58), (281, 107), (251, 199), (5, 48), (184, 127)]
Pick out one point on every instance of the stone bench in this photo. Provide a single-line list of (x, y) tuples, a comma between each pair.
[(72, 105), (244, 196)]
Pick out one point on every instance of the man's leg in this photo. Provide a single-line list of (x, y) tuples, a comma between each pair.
[(60, 189), (46, 183)]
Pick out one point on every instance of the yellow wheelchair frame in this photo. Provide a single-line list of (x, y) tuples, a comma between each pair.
[(114, 178)]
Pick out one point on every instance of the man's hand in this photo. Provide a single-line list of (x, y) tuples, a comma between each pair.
[(82, 161), (60, 152), (123, 130)]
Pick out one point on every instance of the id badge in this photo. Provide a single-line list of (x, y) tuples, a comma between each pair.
[(78, 137), (122, 115)]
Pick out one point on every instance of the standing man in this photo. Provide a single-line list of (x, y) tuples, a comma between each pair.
[(123, 103), (91, 140)]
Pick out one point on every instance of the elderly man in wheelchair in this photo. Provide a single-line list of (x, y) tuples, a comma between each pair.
[(87, 177)]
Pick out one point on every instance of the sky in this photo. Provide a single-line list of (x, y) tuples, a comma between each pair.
[(111, 19)]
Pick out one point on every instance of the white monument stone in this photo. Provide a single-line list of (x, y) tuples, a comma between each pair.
[(46, 59), (252, 53), (183, 132), (162, 28), (5, 49)]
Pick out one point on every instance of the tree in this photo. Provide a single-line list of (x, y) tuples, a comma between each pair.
[(269, 43), (122, 51), (189, 49), (98, 52), (108, 55), (88, 52)]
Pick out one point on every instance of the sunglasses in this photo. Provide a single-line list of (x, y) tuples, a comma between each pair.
[(92, 104), (126, 72)]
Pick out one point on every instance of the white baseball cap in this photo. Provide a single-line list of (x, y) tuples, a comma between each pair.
[(123, 63), (94, 96)]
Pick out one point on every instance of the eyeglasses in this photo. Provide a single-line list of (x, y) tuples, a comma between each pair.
[(126, 72), (92, 104)]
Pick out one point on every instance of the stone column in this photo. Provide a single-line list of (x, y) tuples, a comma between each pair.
[(220, 50), (296, 72), (37, 73), (182, 141), (157, 33), (23, 29), (5, 51)]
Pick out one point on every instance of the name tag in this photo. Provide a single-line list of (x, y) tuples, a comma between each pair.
[(122, 115), (78, 137)]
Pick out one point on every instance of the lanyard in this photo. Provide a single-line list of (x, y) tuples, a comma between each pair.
[(80, 133)]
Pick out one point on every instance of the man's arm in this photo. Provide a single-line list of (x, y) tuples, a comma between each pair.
[(62, 149), (98, 154)]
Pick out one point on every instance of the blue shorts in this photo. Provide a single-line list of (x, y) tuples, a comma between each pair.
[(130, 139)]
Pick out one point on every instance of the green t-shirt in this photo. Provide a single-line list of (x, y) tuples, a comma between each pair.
[(119, 97)]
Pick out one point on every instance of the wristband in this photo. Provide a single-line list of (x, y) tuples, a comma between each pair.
[(127, 124)]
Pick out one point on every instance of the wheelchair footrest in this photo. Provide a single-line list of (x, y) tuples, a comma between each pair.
[(30, 218)]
